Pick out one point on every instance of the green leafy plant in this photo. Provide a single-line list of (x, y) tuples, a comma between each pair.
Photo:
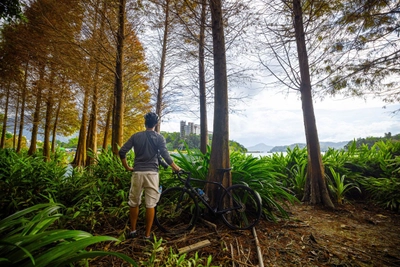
[(254, 172), (259, 174), (298, 176), (384, 191), (292, 169), (26, 180), (152, 253), (338, 186), (194, 161), (27, 239), (375, 168), (156, 257)]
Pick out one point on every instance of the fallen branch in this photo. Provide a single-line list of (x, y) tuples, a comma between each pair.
[(210, 224), (233, 256), (259, 253), (196, 246)]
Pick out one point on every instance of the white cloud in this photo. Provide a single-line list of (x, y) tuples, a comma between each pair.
[(275, 119), (344, 125)]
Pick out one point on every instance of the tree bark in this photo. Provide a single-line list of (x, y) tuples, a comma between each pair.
[(316, 191), (202, 82), (36, 115), (219, 158), (80, 154), (47, 124), (54, 133), (4, 130), (92, 131), (22, 119), (15, 123), (107, 126), (47, 127), (159, 104), (118, 112)]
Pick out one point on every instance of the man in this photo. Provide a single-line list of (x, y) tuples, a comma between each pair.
[(145, 171)]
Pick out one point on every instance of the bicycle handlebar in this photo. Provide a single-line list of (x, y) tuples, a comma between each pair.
[(182, 172)]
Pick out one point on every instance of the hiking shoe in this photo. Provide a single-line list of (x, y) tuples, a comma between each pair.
[(149, 238), (132, 234)]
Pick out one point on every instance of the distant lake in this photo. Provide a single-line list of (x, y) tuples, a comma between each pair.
[(255, 154), (263, 154)]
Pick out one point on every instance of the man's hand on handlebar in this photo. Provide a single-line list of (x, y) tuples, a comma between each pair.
[(181, 171), (175, 167)]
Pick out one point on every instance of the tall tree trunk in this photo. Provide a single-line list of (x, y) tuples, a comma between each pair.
[(87, 141), (202, 82), (92, 131), (118, 112), (316, 191), (15, 123), (220, 143), (80, 154), (47, 127), (54, 133), (159, 104), (107, 126), (4, 130), (22, 119), (47, 124), (36, 114)]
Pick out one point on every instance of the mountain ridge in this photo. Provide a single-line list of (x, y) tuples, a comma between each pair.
[(324, 146)]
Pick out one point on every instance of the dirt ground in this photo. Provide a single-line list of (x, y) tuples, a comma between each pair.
[(355, 234)]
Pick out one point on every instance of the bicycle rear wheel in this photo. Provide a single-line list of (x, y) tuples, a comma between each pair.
[(242, 205), (176, 211)]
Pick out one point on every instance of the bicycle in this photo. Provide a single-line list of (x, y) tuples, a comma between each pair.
[(178, 208)]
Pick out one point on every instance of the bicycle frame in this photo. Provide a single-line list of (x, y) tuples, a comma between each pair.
[(238, 205), (215, 210)]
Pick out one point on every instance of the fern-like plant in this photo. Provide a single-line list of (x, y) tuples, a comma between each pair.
[(28, 239)]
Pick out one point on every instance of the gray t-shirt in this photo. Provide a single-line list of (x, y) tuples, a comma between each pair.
[(145, 154)]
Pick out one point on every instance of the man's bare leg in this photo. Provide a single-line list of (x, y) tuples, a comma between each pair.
[(150, 212), (133, 216)]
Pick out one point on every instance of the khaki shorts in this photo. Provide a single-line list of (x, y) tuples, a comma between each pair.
[(147, 181)]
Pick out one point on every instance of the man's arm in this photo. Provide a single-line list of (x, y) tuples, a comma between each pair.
[(175, 167), (126, 166), (166, 156), (122, 153)]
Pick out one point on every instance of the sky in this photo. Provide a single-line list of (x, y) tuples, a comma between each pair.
[(277, 120)]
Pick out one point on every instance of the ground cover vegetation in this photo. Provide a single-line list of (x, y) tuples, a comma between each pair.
[(76, 202)]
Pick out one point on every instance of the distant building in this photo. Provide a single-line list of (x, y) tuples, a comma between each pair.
[(189, 128)]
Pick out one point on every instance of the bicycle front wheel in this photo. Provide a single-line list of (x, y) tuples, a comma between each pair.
[(176, 211), (242, 207)]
